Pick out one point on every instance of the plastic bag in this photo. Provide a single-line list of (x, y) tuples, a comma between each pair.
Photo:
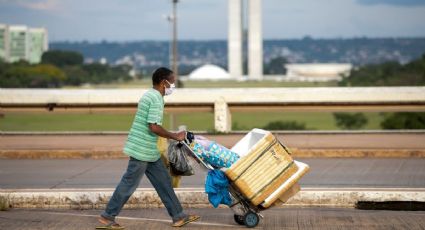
[(217, 188), (179, 162)]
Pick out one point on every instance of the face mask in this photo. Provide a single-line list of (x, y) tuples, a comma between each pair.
[(169, 91)]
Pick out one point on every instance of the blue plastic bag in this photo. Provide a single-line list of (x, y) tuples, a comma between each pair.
[(217, 188)]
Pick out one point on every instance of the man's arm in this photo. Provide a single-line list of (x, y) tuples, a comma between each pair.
[(160, 131)]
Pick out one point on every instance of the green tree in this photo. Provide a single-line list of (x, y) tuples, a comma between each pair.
[(23, 75), (97, 73), (350, 121), (75, 75), (276, 66), (404, 120), (62, 58), (45, 75), (59, 68), (388, 74)]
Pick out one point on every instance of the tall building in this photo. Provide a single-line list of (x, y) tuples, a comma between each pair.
[(255, 41), (17, 43), (235, 39), (3, 41), (37, 44), (255, 38), (22, 43)]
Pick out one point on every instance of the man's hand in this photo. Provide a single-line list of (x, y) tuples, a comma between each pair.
[(180, 136), (158, 130)]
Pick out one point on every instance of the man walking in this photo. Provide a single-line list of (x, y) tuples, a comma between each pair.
[(141, 147)]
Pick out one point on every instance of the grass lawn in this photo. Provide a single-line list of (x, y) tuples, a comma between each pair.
[(194, 121)]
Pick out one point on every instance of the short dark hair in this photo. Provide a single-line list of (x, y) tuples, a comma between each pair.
[(160, 74)]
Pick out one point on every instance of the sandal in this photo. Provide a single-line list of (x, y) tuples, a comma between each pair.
[(108, 224), (186, 220)]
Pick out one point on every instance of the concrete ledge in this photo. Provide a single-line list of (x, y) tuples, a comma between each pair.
[(297, 153), (61, 154), (230, 95), (201, 132), (358, 153), (349, 197), (196, 198), (94, 198)]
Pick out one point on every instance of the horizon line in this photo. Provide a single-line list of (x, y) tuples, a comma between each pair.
[(223, 39)]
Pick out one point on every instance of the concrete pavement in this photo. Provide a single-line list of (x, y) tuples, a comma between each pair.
[(325, 172), (303, 144), (222, 218), (89, 183), (298, 140)]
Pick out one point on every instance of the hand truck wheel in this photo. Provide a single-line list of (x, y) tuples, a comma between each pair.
[(239, 219), (251, 219)]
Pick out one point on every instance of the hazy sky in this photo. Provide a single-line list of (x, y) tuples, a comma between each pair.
[(128, 20)]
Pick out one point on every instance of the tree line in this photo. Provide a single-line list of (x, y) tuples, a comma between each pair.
[(355, 121), (57, 69), (388, 74)]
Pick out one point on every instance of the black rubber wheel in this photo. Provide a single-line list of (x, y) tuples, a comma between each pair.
[(239, 219), (251, 219)]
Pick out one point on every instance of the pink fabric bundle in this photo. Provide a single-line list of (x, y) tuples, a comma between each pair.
[(203, 141)]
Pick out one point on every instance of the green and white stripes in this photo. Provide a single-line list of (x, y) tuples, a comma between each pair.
[(141, 142)]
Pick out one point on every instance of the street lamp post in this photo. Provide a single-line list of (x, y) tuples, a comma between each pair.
[(175, 61), (173, 19)]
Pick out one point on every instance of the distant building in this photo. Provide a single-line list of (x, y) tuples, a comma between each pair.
[(17, 43), (209, 72), (22, 43), (38, 44), (3, 39), (317, 71)]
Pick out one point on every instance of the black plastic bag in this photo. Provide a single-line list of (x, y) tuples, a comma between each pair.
[(179, 161)]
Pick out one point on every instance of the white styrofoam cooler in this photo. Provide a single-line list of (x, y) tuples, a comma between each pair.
[(248, 142)]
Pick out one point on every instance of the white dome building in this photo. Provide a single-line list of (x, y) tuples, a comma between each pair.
[(209, 72)]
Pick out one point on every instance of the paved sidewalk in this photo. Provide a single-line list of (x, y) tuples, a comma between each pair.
[(325, 172), (115, 142), (284, 218)]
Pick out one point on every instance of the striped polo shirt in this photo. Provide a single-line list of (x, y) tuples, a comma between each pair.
[(141, 142)]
